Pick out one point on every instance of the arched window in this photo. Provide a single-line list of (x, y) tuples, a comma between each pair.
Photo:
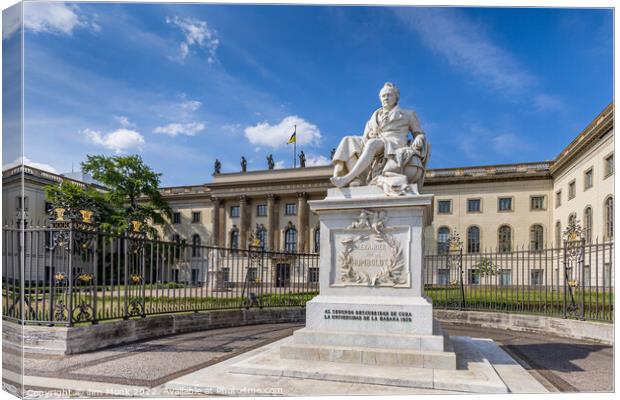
[(536, 237), (234, 239), (261, 235), (290, 240), (473, 239), (504, 239), (558, 234), (196, 245), (317, 240), (609, 217), (442, 240), (587, 224)]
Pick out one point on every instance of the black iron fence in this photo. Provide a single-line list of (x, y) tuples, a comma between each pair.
[(575, 280), (73, 273)]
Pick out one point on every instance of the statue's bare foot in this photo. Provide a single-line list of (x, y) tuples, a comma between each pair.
[(339, 181)]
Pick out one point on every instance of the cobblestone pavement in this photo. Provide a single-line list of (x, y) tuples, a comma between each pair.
[(563, 364), (153, 362), (566, 364)]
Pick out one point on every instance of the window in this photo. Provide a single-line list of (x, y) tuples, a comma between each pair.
[(234, 239), (234, 211), (176, 217), (572, 189), (473, 205), (49, 207), (442, 240), (317, 240), (444, 206), (609, 218), (588, 179), (536, 237), (176, 238), (537, 203), (261, 235), (261, 210), (609, 165), (290, 209), (196, 217), (558, 198), (313, 275), (473, 276), (536, 277), (251, 274), (196, 245), (504, 239), (504, 204), (587, 224), (443, 276), (558, 233), (290, 240), (505, 277), (195, 275), (473, 239), (22, 203), (226, 274)]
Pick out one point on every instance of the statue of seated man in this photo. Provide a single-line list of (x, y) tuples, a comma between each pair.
[(385, 139)]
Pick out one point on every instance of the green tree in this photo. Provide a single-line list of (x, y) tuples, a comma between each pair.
[(132, 193)]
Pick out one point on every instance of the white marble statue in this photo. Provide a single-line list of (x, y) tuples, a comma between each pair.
[(383, 155)]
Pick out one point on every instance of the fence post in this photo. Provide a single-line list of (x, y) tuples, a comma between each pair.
[(96, 279), (564, 264), (70, 272), (582, 261), (125, 243)]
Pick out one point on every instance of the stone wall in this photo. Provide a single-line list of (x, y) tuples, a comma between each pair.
[(63, 340), (598, 331)]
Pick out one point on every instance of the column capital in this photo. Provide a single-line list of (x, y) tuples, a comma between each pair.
[(272, 196), (243, 199), (302, 195)]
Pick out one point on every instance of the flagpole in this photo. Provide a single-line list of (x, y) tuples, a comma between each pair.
[(295, 148)]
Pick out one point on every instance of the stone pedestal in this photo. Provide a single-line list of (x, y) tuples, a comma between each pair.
[(371, 308)]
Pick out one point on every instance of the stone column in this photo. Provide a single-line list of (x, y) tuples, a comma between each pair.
[(215, 229), (271, 221), (244, 221), (302, 221)]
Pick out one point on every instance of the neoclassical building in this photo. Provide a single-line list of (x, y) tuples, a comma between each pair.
[(494, 207)]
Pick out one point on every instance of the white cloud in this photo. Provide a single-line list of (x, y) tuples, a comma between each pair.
[(11, 20), (30, 163), (191, 105), (119, 141), (175, 129), (55, 18), (279, 165), (275, 136), (315, 161), (124, 121), (197, 33), (466, 46), (547, 102), (232, 128), (507, 143)]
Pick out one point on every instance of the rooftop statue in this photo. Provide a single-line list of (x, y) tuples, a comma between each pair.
[(383, 155)]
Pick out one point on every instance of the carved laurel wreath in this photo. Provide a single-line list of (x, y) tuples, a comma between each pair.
[(391, 274)]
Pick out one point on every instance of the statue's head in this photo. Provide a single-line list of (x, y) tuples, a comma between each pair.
[(389, 95)]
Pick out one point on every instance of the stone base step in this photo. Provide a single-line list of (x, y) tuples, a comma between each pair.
[(370, 356)]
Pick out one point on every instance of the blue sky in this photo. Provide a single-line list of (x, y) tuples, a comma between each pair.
[(183, 84)]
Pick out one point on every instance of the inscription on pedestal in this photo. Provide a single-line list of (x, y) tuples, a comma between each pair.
[(368, 315), (368, 254)]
